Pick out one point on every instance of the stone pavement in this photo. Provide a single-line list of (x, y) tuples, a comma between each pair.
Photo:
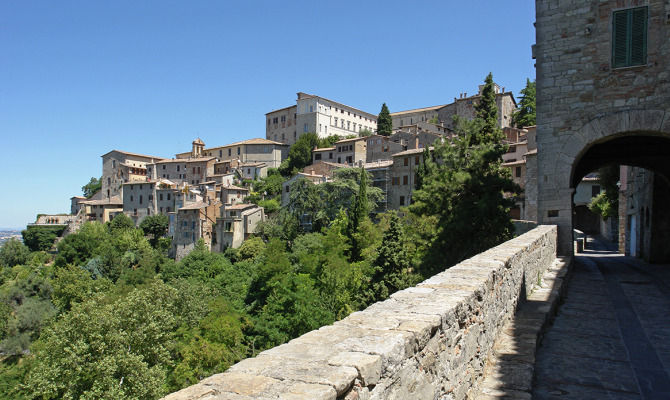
[(611, 337)]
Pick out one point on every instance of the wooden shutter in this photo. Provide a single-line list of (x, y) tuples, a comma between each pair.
[(629, 37), (638, 42), (620, 39)]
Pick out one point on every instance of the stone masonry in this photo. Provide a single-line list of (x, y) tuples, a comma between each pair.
[(426, 342), (583, 102)]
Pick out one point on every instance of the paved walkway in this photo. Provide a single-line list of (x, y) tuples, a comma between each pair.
[(611, 337)]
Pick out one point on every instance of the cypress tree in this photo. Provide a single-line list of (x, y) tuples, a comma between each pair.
[(384, 122), (525, 113)]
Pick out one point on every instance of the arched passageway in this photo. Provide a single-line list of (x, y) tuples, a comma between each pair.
[(644, 190)]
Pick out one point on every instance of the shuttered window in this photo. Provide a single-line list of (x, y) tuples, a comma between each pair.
[(629, 37)]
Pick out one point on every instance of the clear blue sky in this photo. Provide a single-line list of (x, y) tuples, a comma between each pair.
[(80, 78)]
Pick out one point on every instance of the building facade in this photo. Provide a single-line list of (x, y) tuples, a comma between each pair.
[(319, 115)]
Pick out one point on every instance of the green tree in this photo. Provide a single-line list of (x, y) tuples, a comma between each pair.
[(119, 350), (423, 169), (251, 248), (79, 247), (120, 222), (524, 115), (384, 122), (467, 190), (41, 238), (606, 203), (300, 154), (92, 187), (391, 266), (359, 214), (156, 227), (13, 252), (364, 132)]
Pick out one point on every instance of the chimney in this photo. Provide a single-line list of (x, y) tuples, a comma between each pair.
[(416, 142)]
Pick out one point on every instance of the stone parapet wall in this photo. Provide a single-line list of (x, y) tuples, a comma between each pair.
[(426, 342)]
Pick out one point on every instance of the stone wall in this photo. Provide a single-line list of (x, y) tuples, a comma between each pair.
[(426, 342), (583, 101)]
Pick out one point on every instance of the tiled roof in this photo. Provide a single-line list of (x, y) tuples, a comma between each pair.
[(411, 151), (195, 206), (114, 201), (416, 110), (233, 187), (324, 149)]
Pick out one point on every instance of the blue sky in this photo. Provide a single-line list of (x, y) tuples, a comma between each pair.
[(80, 78)]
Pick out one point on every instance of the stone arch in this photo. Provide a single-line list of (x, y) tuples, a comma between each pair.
[(632, 137)]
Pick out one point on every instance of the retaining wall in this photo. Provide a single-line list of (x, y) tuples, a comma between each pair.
[(426, 342)]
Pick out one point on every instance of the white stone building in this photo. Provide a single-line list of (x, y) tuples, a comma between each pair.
[(316, 114)]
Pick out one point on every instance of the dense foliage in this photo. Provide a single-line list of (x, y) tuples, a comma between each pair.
[(466, 189), (606, 203)]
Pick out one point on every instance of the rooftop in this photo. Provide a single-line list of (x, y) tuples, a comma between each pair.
[(132, 154), (325, 149), (184, 160), (115, 200), (195, 206), (233, 187), (411, 151), (416, 110), (351, 139), (240, 206), (303, 95)]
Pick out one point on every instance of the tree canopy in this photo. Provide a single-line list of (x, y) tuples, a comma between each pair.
[(92, 187), (466, 189)]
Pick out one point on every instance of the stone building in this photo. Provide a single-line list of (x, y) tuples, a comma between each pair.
[(119, 167), (603, 78), (236, 224), (323, 168), (102, 210), (75, 204), (193, 222), (257, 150), (231, 194), (462, 106), (141, 200), (192, 171), (403, 177), (252, 170), (381, 148), (350, 151), (316, 114)]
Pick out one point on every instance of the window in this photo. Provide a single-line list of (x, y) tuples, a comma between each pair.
[(416, 160), (395, 180), (168, 197), (287, 189), (518, 172), (404, 179), (406, 161), (304, 128), (160, 197), (629, 37), (178, 168), (131, 197), (140, 199), (113, 163), (402, 200), (317, 156), (238, 151), (163, 166), (229, 150)]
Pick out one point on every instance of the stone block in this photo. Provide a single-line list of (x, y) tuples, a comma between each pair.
[(369, 366)]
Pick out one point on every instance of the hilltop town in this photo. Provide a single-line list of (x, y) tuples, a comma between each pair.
[(208, 192)]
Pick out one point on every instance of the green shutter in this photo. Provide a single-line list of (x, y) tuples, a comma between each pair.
[(620, 39), (638, 43), (629, 37)]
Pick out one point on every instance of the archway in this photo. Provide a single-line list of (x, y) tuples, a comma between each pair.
[(644, 196)]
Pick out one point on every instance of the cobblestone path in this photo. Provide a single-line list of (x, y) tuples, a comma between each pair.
[(611, 336)]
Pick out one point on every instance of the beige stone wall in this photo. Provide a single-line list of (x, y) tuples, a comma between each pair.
[(426, 342), (280, 125), (403, 174)]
